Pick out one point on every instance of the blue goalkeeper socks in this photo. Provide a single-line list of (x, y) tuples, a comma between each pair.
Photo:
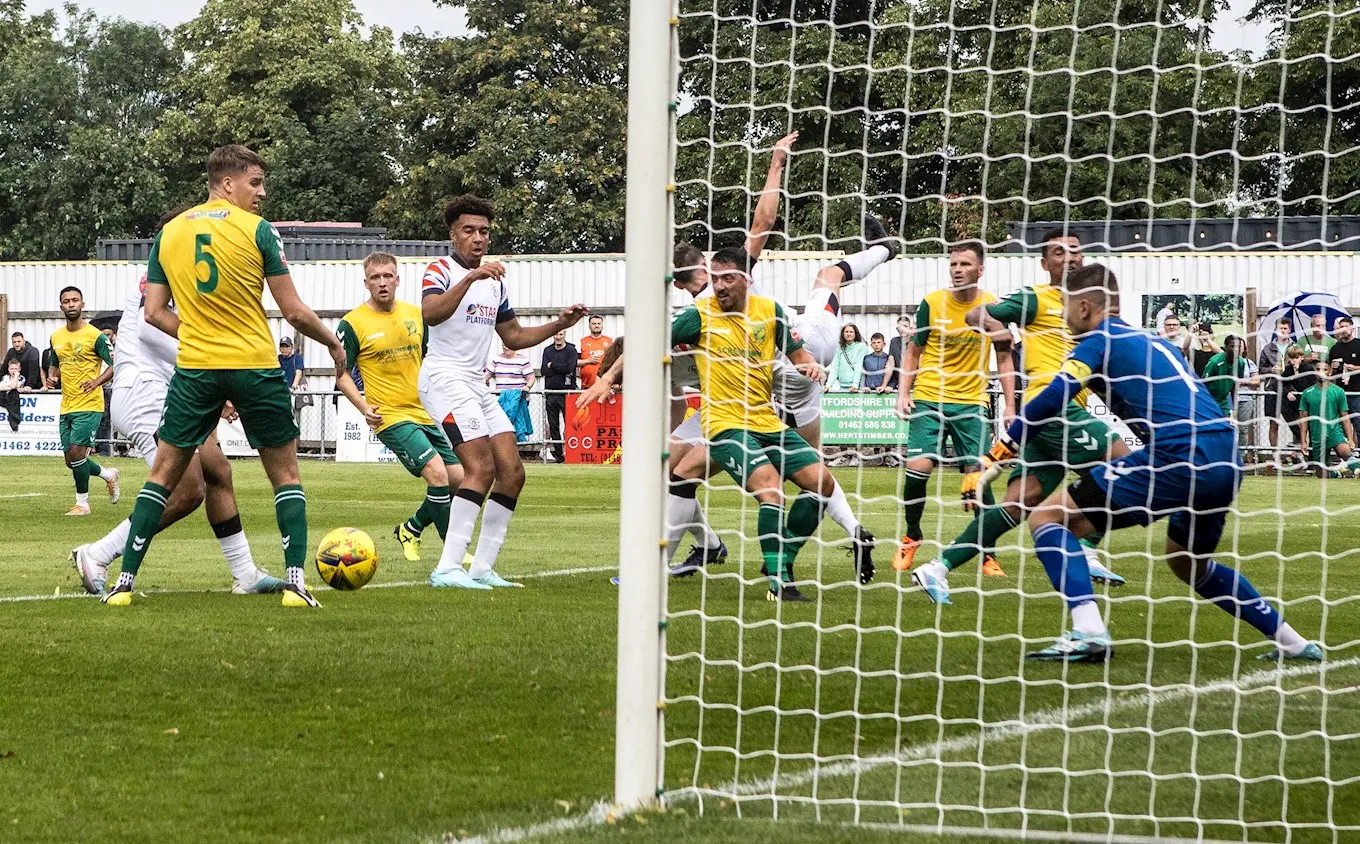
[(1230, 590), (1064, 562)]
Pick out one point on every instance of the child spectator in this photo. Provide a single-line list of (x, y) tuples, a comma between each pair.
[(878, 367)]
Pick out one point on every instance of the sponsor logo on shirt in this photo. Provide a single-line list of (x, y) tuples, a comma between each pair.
[(481, 314)]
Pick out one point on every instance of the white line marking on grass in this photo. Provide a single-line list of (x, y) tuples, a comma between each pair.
[(602, 812), (23, 495), (534, 575), (597, 816), (1047, 719)]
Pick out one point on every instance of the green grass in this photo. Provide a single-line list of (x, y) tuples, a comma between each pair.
[(401, 714)]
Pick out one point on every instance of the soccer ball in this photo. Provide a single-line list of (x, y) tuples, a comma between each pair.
[(346, 559)]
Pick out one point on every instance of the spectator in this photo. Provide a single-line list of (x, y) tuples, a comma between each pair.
[(848, 364), (53, 379), (1297, 375), (1343, 362), (905, 327), (1202, 347), (1165, 315), (1227, 370), (1271, 365), (29, 360), (514, 376), (1317, 343), (11, 384), (593, 347), (1176, 335), (559, 375), (878, 364), (290, 361)]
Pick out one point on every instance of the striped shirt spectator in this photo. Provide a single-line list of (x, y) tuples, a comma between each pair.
[(511, 371)]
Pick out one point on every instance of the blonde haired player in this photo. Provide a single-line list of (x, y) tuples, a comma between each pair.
[(385, 340)]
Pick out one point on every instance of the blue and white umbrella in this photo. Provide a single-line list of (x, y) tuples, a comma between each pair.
[(1300, 310)]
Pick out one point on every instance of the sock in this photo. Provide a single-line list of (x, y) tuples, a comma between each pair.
[(1064, 561), (495, 522), (1289, 639), (231, 537), (860, 264), (1086, 619), (295, 578), (145, 520), (838, 508), (463, 511), (914, 496), (104, 473), (682, 509), (1233, 593), (94, 470), (290, 509), (80, 470), (434, 510), (109, 547), (804, 515), (83, 499), (982, 532), (770, 524)]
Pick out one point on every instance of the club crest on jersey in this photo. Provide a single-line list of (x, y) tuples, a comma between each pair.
[(411, 329), (759, 333)]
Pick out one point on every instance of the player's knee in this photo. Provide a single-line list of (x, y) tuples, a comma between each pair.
[(512, 479)]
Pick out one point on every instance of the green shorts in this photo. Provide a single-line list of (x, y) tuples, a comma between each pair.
[(193, 404), (78, 428), (1076, 441), (1335, 437), (415, 445), (742, 452), (965, 425)]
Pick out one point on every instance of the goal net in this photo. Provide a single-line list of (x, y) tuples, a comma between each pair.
[(1210, 164)]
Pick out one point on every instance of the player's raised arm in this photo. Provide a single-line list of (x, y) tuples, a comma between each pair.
[(436, 305), (517, 336), (767, 207), (304, 319)]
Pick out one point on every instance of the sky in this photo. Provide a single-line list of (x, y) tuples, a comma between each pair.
[(400, 15), (407, 15)]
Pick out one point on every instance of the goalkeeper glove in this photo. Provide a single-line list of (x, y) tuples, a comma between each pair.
[(988, 468)]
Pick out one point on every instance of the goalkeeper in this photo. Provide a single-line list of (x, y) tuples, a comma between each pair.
[(738, 337), (1077, 440), (1189, 471)]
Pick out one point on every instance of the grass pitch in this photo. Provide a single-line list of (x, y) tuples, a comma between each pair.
[(406, 714)]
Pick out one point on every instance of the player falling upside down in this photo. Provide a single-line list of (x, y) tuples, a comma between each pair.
[(77, 351), (386, 339), (1077, 440), (215, 260), (466, 304), (942, 392), (1188, 471), (737, 338), (141, 378)]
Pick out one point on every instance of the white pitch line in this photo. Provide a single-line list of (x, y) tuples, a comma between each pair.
[(602, 812), (23, 495), (536, 575), (1047, 719)]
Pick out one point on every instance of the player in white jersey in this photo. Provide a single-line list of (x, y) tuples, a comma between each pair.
[(142, 366), (466, 305)]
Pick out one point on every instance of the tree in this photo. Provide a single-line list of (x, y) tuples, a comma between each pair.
[(297, 80), (529, 110), (78, 105)]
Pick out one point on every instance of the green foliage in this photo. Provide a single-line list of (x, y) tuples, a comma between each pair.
[(951, 118), (530, 109)]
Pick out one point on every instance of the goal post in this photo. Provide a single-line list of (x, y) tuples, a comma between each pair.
[(641, 638)]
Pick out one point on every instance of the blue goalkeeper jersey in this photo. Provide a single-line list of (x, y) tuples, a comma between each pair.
[(1145, 381)]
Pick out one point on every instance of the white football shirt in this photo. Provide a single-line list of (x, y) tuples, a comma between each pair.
[(461, 345), (143, 350)]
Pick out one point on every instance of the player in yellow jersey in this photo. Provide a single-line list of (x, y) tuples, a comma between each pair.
[(215, 260), (79, 352), (385, 339), (738, 337), (942, 391), (1076, 441)]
